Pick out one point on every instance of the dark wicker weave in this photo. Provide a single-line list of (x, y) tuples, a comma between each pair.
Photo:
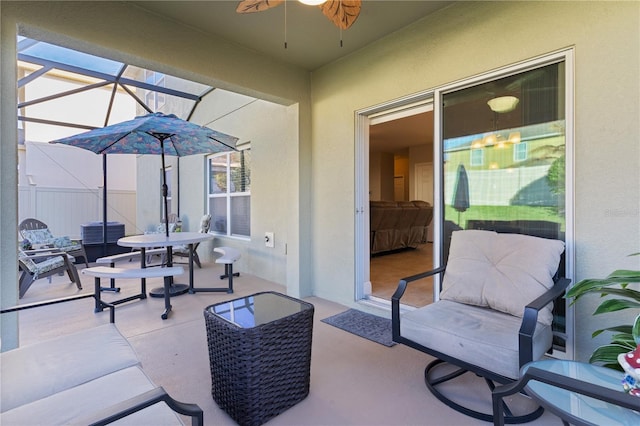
[(259, 372)]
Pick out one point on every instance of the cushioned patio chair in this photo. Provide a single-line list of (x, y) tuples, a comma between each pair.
[(175, 225), (183, 250), (494, 313), (39, 236), (35, 264)]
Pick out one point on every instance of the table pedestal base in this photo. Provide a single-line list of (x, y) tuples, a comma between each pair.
[(174, 290)]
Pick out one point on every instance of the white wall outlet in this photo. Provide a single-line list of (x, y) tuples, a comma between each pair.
[(268, 239)]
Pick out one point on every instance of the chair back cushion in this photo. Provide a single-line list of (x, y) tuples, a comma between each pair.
[(504, 272), (38, 236), (161, 227)]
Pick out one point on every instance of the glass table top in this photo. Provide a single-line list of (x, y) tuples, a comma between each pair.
[(590, 410), (257, 309)]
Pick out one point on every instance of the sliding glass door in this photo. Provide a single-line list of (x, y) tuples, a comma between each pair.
[(503, 151)]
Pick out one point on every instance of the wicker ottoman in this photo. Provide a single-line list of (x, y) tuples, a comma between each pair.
[(260, 355)]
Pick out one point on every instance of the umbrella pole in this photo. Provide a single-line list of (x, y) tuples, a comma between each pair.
[(104, 204), (164, 190)]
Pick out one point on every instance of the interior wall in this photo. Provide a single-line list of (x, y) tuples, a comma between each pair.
[(381, 172), (461, 41), (374, 175), (401, 169), (417, 155)]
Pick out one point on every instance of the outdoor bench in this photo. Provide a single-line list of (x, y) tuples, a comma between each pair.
[(132, 255), (99, 272), (115, 258), (89, 377)]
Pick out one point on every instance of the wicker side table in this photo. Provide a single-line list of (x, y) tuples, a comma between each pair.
[(260, 355)]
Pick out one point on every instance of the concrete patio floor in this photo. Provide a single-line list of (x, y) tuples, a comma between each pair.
[(353, 381)]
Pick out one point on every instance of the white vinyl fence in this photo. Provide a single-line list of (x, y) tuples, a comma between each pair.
[(495, 187), (65, 210)]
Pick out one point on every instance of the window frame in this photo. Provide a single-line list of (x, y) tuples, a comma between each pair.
[(228, 195), (520, 152), (476, 157)]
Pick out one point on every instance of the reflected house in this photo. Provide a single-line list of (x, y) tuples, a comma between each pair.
[(520, 165)]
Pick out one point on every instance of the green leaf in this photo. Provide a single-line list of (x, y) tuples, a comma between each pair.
[(587, 286), (592, 285), (624, 292), (635, 330), (624, 275), (624, 339), (608, 354), (612, 305), (626, 329)]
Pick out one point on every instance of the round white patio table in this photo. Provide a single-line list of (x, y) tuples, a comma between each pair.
[(146, 241)]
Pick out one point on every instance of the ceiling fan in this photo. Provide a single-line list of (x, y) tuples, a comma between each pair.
[(343, 13)]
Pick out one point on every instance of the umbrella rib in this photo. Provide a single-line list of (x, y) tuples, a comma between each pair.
[(102, 151), (228, 146)]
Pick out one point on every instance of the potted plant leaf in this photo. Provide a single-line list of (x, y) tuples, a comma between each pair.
[(624, 337)]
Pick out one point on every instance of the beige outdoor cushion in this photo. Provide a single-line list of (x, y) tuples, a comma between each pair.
[(45, 368), (504, 272), (70, 406), (478, 336)]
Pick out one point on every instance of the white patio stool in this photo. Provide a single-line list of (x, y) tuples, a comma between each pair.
[(228, 258)]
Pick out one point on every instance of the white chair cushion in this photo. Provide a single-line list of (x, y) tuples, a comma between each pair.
[(479, 336), (71, 405), (36, 371), (501, 271)]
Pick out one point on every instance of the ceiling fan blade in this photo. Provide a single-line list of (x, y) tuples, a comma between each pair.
[(343, 13), (250, 6)]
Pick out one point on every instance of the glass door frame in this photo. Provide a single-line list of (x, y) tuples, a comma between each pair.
[(387, 111)]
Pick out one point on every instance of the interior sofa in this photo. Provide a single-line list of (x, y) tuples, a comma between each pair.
[(396, 225), (89, 377)]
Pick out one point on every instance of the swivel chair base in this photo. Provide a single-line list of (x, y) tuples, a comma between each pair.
[(432, 382)]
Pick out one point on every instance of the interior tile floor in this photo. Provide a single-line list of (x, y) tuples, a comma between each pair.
[(353, 381), (388, 269)]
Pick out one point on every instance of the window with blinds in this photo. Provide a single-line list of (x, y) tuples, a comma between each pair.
[(229, 193)]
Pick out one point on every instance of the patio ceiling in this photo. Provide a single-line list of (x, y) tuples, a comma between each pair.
[(84, 76), (312, 40)]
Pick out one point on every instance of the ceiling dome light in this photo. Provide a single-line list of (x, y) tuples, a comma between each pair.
[(312, 2), (503, 104)]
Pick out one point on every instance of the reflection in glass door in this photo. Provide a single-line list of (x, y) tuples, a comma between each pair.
[(504, 145)]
